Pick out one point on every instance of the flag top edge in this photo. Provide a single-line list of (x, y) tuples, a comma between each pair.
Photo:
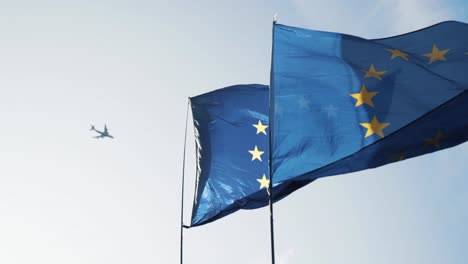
[(376, 39)]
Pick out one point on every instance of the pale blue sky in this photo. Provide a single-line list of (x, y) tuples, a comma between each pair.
[(68, 198)]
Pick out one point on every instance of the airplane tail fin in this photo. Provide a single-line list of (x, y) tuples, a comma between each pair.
[(92, 127)]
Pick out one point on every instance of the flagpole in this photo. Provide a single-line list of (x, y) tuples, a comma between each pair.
[(182, 191), (270, 152)]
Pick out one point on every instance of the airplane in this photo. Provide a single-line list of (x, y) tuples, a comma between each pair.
[(102, 134)]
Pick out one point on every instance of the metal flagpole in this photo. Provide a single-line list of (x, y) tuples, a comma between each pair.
[(270, 152), (272, 234), (182, 192)]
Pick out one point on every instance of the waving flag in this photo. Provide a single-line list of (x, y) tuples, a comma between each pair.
[(231, 127), (343, 103), (231, 131)]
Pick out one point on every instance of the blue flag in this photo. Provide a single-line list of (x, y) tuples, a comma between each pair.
[(231, 127), (339, 104), (231, 131), (343, 103)]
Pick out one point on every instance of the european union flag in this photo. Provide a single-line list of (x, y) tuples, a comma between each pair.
[(344, 103), (231, 127), (231, 131)]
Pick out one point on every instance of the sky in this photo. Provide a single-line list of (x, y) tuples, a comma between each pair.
[(66, 197)]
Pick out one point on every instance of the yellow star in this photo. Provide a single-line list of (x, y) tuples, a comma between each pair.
[(398, 53), (364, 97), (401, 156), (264, 182), (375, 127), (436, 140), (256, 154), (436, 54), (372, 72), (398, 156), (260, 127)]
